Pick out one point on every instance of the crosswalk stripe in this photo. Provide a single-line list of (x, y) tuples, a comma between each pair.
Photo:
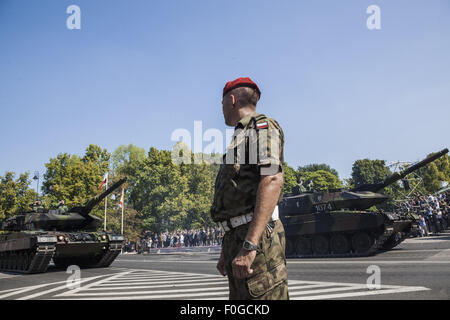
[(177, 291), (162, 281), (103, 287), (164, 296), (150, 278), (41, 293), (306, 292), (135, 284), (366, 293)]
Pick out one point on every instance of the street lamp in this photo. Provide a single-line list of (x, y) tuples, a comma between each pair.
[(36, 177)]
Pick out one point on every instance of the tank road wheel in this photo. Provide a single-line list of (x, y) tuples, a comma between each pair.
[(303, 246), (320, 245), (340, 244), (362, 242), (2, 260), (289, 247), (20, 261), (14, 261), (25, 260)]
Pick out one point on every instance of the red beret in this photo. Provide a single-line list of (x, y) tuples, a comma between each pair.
[(240, 82)]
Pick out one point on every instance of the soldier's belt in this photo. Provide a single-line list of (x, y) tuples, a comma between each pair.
[(235, 222)]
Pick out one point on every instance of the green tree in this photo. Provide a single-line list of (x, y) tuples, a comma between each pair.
[(75, 179), (315, 167), (434, 173), (322, 179), (156, 189), (290, 178), (367, 171), (126, 157), (15, 194)]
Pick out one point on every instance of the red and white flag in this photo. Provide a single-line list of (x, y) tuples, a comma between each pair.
[(105, 180), (121, 200)]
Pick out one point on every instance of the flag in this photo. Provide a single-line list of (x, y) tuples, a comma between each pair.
[(121, 200), (105, 180)]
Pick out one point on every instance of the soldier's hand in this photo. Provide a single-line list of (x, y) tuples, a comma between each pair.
[(221, 265), (242, 264)]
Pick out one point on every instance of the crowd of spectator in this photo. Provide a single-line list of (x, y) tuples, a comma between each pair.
[(432, 211), (209, 236)]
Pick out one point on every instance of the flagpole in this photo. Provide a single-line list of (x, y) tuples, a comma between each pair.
[(123, 204), (106, 203)]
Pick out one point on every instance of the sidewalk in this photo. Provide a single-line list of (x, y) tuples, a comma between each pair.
[(182, 250)]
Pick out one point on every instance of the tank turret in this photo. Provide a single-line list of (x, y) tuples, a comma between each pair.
[(76, 218), (360, 198)]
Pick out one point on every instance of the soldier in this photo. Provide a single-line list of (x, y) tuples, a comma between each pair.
[(310, 186), (247, 191), (299, 188), (38, 207), (62, 208)]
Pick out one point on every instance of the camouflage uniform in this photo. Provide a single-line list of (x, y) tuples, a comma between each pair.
[(62, 208), (37, 208), (235, 194)]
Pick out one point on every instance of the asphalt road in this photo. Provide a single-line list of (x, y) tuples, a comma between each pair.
[(419, 268)]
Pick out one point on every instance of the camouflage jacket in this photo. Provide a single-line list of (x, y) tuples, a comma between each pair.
[(256, 149)]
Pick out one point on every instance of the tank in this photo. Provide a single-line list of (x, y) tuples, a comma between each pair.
[(336, 223), (29, 241)]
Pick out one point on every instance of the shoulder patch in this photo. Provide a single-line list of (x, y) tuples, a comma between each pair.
[(262, 125)]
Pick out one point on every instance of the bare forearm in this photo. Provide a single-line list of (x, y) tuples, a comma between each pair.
[(266, 199)]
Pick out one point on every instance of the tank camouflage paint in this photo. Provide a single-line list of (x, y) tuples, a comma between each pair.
[(33, 239), (337, 223)]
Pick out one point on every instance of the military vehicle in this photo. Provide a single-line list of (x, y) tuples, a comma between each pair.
[(32, 239), (336, 223)]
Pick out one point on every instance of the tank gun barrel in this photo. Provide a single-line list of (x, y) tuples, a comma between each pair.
[(400, 175), (97, 199)]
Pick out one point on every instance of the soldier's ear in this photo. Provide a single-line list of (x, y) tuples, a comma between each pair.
[(233, 100)]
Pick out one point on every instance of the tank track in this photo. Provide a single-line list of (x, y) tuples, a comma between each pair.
[(377, 246), (27, 261), (110, 255), (102, 261)]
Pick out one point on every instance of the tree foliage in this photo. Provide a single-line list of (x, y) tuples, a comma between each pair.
[(315, 167), (75, 179), (367, 171), (322, 179), (290, 178), (15, 194), (434, 173)]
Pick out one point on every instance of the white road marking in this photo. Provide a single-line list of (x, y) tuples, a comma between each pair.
[(443, 255), (165, 281), (153, 278), (364, 293), (108, 287), (179, 292), (42, 293), (190, 286), (323, 261)]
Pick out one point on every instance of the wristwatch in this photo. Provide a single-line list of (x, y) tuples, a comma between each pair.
[(247, 245)]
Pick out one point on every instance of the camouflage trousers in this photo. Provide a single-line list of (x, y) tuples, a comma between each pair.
[(269, 278)]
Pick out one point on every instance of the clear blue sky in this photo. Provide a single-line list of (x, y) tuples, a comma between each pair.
[(137, 70)]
